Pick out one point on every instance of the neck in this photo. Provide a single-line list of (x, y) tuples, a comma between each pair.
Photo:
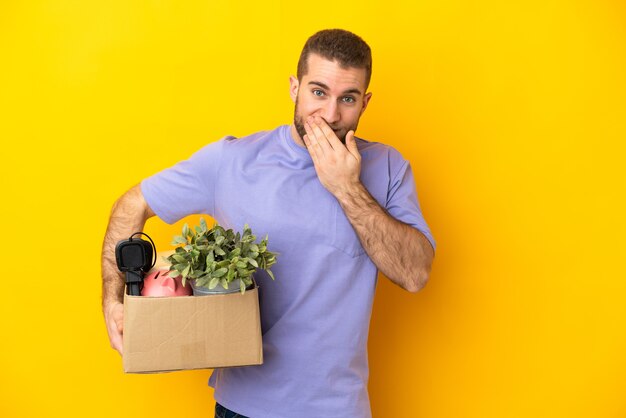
[(296, 136)]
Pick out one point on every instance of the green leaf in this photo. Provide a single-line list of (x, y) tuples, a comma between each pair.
[(186, 271), (203, 224), (185, 230), (242, 287), (219, 272), (179, 258), (224, 283), (219, 251), (271, 274), (213, 283), (176, 242), (253, 262), (198, 229)]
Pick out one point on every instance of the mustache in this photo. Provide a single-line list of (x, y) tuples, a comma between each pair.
[(334, 128)]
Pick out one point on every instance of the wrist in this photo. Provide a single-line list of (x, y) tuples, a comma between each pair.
[(349, 191), (109, 304)]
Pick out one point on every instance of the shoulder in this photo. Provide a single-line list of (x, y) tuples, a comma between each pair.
[(381, 153), (232, 147), (257, 138)]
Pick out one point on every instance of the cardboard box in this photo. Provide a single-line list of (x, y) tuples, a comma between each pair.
[(191, 332)]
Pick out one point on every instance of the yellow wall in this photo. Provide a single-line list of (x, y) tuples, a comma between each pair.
[(513, 116)]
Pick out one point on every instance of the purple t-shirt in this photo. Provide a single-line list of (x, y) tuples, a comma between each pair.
[(315, 316)]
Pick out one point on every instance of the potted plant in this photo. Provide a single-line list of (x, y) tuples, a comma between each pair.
[(217, 260)]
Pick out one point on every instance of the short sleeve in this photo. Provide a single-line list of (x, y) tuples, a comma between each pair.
[(187, 187), (402, 202)]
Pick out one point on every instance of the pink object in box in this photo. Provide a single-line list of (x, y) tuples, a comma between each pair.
[(159, 283)]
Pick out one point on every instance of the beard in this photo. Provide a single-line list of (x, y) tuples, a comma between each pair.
[(298, 122)]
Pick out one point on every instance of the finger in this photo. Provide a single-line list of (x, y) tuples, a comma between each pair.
[(314, 145), (116, 343), (351, 144), (333, 140), (312, 153), (115, 338), (319, 135)]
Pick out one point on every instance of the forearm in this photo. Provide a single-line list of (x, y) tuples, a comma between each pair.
[(127, 216), (398, 250)]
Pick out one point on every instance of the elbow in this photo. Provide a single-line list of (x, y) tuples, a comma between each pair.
[(419, 282), (133, 202), (420, 274)]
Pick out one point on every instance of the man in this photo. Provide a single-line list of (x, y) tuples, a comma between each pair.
[(337, 208)]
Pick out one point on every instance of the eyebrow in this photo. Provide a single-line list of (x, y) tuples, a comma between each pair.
[(324, 86)]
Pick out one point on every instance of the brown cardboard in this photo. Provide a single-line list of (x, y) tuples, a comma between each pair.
[(191, 332)]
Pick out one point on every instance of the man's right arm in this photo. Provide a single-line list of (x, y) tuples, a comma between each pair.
[(128, 215)]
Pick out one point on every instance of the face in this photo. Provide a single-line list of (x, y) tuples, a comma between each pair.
[(335, 94)]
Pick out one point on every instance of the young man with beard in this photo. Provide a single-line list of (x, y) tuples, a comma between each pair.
[(337, 208)]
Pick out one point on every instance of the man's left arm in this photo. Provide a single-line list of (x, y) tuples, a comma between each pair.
[(399, 251)]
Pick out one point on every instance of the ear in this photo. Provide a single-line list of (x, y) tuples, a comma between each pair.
[(169, 283), (293, 88), (366, 100)]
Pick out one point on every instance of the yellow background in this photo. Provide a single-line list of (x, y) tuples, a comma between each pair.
[(511, 113)]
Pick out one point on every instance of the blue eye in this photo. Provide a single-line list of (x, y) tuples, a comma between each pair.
[(321, 93), (349, 99)]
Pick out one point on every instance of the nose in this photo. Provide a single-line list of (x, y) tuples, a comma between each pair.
[(330, 112)]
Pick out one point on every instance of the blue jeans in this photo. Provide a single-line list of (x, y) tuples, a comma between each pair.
[(222, 412)]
